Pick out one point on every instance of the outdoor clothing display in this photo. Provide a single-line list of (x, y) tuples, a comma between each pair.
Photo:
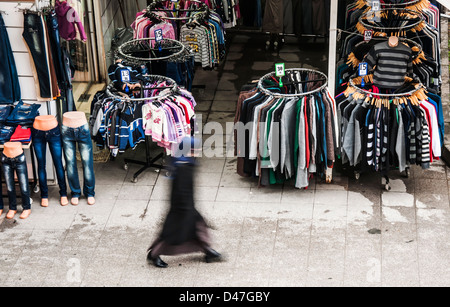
[(394, 132), (162, 111), (197, 27), (73, 138), (412, 25), (51, 63), (52, 139), (292, 129), (16, 167), (170, 58), (228, 10)]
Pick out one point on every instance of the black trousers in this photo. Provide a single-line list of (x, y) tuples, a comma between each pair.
[(34, 36)]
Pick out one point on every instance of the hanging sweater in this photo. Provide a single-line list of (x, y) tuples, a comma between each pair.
[(69, 21), (391, 64)]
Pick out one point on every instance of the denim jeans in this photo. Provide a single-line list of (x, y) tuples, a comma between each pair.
[(23, 114), (34, 36), (5, 111), (53, 139), (9, 84), (72, 137), (5, 134), (17, 165)]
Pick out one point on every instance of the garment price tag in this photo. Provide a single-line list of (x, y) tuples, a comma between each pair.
[(363, 69), (368, 34), (280, 71), (125, 75), (159, 37), (376, 5)]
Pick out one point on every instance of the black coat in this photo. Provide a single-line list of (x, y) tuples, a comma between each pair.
[(183, 218)]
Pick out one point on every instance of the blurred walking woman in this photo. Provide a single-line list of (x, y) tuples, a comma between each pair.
[(184, 230)]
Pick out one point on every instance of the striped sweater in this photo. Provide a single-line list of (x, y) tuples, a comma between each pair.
[(391, 64)]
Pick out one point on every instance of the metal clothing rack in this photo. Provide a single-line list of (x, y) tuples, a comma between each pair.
[(321, 78), (150, 162), (198, 13), (318, 77), (393, 96)]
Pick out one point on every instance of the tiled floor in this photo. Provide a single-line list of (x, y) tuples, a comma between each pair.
[(349, 233)]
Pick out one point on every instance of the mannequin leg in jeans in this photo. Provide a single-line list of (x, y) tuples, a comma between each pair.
[(17, 165), (72, 137), (54, 141)]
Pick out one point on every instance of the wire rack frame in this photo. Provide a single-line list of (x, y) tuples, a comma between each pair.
[(171, 84), (370, 94), (365, 16), (121, 53), (396, 5), (273, 74)]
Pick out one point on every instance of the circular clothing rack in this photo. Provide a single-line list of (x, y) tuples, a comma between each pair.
[(170, 87), (368, 93), (202, 10), (174, 46), (319, 77), (405, 4), (416, 18)]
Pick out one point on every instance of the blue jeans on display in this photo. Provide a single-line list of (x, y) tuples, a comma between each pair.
[(5, 111), (9, 80), (5, 134), (54, 140), (17, 165), (23, 114), (72, 137)]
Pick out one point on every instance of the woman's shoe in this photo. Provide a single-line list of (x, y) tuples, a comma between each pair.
[(157, 262), (212, 256)]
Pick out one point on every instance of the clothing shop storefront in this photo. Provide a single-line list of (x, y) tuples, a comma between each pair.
[(159, 46)]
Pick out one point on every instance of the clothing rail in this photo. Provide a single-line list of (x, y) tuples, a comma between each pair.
[(395, 5), (121, 52), (158, 78), (150, 162), (203, 10), (272, 75), (364, 17), (365, 92)]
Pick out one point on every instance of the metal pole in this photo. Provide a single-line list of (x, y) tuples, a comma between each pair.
[(333, 47)]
